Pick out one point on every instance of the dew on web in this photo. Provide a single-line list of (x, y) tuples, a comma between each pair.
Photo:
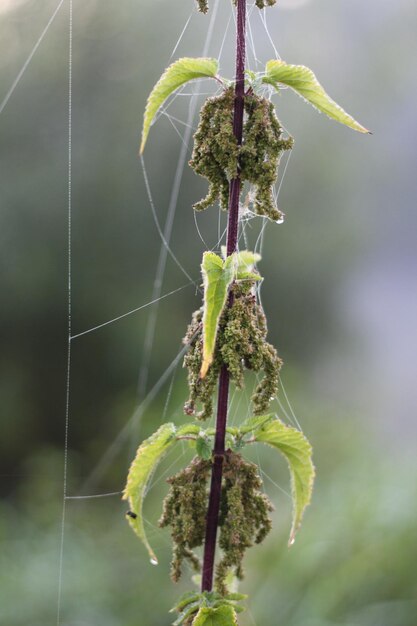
[(164, 232), (250, 224), (166, 235)]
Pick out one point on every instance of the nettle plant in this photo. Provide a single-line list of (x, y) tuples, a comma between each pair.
[(218, 498)]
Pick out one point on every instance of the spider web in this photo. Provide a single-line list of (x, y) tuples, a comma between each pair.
[(252, 231)]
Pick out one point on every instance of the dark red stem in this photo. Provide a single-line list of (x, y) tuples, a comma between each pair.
[(232, 238)]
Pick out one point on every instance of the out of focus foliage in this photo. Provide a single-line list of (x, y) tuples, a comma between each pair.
[(352, 563)]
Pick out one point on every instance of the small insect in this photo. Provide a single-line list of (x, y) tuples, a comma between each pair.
[(131, 514)]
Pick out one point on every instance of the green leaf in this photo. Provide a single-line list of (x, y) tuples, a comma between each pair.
[(304, 82), (187, 430), (249, 276), (236, 607), (250, 74), (298, 453), (177, 74), (234, 596), (203, 448), (246, 260), (217, 277), (147, 458), (191, 609), (230, 264), (254, 423), (222, 616), (253, 80), (186, 599), (216, 607)]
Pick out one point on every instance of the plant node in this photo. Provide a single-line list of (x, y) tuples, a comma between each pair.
[(217, 156), (241, 344)]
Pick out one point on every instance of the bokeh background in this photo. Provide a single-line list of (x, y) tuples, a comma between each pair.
[(340, 293)]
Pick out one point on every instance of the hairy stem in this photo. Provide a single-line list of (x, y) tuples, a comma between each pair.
[(232, 237)]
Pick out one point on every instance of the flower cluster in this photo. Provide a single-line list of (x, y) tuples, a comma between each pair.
[(241, 344), (244, 516), (217, 156), (243, 520), (185, 510)]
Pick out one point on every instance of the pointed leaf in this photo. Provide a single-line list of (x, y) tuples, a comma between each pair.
[(248, 276), (186, 599), (191, 609), (217, 278), (304, 82), (234, 596), (177, 74), (230, 264), (255, 423), (187, 430), (223, 602), (252, 75), (218, 610), (203, 448), (298, 453), (218, 275), (223, 616), (246, 260), (147, 458)]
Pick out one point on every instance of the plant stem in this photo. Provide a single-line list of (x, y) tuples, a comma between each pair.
[(232, 238)]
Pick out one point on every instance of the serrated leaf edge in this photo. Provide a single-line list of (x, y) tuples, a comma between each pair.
[(317, 89), (291, 452), (199, 67)]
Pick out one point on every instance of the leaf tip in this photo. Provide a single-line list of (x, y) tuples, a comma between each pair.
[(363, 130), (204, 367)]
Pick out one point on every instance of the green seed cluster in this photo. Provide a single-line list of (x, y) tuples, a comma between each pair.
[(243, 519), (215, 153), (200, 390), (185, 510), (203, 6), (241, 344), (217, 156), (260, 153), (261, 4), (244, 515)]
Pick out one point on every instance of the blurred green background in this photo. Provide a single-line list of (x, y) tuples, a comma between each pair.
[(340, 293)]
